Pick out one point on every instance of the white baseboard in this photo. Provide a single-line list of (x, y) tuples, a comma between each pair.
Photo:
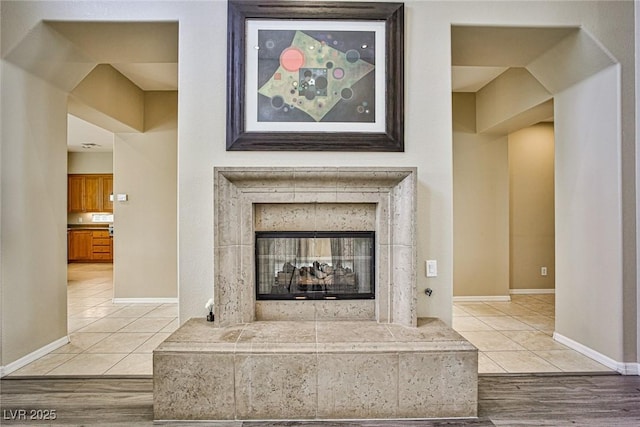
[(531, 291), (35, 355), (488, 298), (145, 300), (620, 367), (630, 369)]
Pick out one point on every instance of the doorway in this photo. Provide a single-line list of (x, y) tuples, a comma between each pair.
[(127, 105), (501, 268)]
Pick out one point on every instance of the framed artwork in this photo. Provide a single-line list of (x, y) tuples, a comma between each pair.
[(315, 76)]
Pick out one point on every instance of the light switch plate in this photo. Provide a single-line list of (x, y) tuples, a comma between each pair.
[(432, 268), (122, 197)]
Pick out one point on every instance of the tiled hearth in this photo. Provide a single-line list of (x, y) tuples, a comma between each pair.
[(314, 359), (315, 370)]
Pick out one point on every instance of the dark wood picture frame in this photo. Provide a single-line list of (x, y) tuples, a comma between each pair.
[(391, 140)]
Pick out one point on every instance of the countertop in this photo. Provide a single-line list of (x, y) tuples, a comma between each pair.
[(102, 226)]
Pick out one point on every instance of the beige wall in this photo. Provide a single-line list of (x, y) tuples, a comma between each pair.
[(589, 261), (33, 192), (503, 207), (111, 99), (145, 168), (531, 205), (428, 133), (480, 207), (502, 100), (90, 162)]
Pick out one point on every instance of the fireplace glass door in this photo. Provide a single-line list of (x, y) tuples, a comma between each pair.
[(315, 265)]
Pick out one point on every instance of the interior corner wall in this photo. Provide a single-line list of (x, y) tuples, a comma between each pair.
[(589, 292), (531, 207), (480, 208), (145, 226), (33, 214)]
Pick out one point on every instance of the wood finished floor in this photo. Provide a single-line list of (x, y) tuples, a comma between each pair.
[(504, 400)]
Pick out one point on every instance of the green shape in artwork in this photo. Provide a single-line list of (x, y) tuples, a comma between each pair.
[(314, 77)]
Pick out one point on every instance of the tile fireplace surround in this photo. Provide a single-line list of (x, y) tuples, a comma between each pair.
[(284, 360)]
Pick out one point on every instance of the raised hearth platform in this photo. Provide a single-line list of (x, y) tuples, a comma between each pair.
[(302, 370)]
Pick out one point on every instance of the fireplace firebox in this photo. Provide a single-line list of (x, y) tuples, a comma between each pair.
[(302, 265)]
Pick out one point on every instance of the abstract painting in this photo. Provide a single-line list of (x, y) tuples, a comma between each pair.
[(315, 76)]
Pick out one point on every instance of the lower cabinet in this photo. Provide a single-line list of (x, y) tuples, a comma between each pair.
[(101, 246), (90, 246), (80, 245)]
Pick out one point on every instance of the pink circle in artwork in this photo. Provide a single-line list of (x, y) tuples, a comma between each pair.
[(338, 73), (292, 59)]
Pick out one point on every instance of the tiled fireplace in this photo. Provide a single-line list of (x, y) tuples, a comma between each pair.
[(315, 199), (315, 307)]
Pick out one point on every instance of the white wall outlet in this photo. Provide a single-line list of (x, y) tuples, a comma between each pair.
[(122, 197), (543, 271), (431, 266)]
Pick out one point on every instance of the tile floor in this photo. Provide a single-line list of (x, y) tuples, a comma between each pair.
[(516, 336), (106, 338), (118, 339)]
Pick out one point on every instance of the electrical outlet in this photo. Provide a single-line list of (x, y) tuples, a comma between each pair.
[(543, 271)]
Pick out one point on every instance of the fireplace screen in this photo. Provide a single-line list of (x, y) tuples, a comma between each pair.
[(315, 265)]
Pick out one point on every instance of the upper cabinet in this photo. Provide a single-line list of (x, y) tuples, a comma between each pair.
[(107, 191), (75, 193), (90, 193)]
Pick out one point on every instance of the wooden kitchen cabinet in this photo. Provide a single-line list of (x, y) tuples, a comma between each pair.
[(90, 246), (92, 193), (89, 193), (107, 191), (101, 246), (75, 193), (80, 245)]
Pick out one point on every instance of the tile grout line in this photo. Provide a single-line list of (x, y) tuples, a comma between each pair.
[(523, 302)]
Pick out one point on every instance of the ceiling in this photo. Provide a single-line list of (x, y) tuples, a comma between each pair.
[(479, 54), (83, 137), (472, 79)]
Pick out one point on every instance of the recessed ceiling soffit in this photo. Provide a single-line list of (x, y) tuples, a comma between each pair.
[(556, 57)]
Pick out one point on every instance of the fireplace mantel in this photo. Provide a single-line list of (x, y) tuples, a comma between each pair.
[(238, 189)]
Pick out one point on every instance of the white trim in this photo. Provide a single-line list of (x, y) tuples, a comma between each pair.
[(35, 355), (531, 291), (631, 369), (488, 298), (620, 367), (145, 300)]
